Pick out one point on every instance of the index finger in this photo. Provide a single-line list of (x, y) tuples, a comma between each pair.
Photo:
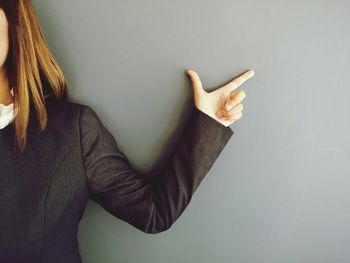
[(234, 84)]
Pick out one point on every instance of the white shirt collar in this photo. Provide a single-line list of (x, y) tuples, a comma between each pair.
[(6, 113)]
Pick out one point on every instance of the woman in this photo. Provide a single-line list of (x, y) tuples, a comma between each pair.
[(55, 154)]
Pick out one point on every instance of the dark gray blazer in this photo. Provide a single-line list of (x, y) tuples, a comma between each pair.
[(44, 191)]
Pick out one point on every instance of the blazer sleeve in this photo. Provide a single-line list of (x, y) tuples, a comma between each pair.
[(151, 206)]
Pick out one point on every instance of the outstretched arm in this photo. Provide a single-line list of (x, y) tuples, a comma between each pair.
[(153, 206)]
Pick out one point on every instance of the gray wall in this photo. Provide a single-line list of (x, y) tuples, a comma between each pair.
[(280, 190)]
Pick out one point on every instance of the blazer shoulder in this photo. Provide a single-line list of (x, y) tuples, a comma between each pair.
[(58, 108), (64, 114)]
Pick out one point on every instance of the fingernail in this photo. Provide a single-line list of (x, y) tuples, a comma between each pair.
[(228, 106)]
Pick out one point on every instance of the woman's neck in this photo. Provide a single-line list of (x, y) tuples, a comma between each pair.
[(5, 90)]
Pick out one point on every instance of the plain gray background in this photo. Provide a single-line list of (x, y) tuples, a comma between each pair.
[(279, 191)]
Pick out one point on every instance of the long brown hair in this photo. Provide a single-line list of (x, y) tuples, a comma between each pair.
[(31, 67)]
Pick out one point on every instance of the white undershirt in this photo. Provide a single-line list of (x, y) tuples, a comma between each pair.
[(6, 113)]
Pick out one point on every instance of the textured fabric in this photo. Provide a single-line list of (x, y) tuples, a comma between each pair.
[(44, 190), (7, 113)]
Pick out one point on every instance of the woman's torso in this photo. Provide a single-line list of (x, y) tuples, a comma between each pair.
[(43, 191)]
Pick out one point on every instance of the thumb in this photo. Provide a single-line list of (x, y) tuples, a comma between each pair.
[(196, 82)]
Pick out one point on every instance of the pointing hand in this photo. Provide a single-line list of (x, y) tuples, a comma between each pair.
[(223, 104)]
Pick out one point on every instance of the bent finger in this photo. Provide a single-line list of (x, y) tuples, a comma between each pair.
[(234, 99), (234, 110)]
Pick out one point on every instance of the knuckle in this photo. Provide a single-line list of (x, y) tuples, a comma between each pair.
[(234, 102), (235, 83), (238, 115)]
